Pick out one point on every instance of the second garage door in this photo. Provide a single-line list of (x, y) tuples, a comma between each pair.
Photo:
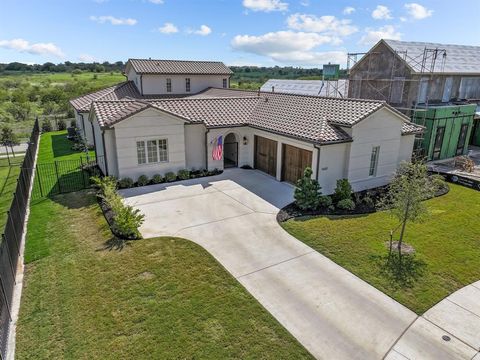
[(295, 160), (265, 155)]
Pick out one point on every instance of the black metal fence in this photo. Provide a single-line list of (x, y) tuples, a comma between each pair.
[(64, 176), (11, 238)]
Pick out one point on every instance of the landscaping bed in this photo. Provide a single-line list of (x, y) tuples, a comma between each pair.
[(366, 202)]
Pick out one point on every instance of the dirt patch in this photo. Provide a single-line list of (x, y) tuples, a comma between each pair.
[(146, 275), (406, 248)]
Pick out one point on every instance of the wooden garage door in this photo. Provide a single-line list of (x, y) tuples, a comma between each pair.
[(265, 155), (295, 160)]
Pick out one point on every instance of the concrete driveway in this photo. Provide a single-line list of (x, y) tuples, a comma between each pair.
[(333, 313)]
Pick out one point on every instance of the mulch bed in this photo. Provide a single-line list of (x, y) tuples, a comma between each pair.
[(109, 216), (293, 211)]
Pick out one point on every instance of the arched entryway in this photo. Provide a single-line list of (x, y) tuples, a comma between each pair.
[(230, 152)]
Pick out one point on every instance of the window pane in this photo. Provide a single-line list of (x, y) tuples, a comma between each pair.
[(169, 85), (187, 84), (374, 161), (152, 151), (163, 150), (224, 83), (141, 152)]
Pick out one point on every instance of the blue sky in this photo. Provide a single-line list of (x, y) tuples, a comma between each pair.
[(303, 33)]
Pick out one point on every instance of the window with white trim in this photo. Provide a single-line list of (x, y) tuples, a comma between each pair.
[(225, 83), (169, 85), (152, 151), (187, 85), (374, 161)]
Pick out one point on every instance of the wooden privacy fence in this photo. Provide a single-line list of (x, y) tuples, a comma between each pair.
[(11, 237)]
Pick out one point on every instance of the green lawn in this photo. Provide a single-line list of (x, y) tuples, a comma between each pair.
[(161, 298), (447, 247), (8, 184), (55, 146)]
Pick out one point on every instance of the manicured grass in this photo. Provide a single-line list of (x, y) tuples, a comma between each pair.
[(162, 298), (447, 247), (55, 146), (8, 184)]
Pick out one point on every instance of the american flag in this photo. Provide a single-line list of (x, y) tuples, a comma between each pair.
[(217, 151)]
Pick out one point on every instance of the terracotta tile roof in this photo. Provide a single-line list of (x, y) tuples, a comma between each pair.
[(149, 66), (219, 92), (311, 118), (109, 112), (115, 92)]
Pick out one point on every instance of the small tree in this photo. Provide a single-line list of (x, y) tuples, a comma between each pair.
[(410, 186), (307, 193), (8, 139)]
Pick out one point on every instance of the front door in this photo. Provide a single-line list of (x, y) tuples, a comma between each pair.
[(265, 155), (295, 160)]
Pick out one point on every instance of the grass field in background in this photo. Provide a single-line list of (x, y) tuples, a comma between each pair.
[(447, 247)]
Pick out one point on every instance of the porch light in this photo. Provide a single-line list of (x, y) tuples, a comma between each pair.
[(245, 140)]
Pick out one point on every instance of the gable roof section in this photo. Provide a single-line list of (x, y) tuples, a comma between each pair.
[(115, 92), (179, 67), (310, 118), (461, 59)]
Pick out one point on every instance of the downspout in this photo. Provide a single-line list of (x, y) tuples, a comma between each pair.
[(206, 149), (94, 141), (318, 161), (104, 153), (141, 84)]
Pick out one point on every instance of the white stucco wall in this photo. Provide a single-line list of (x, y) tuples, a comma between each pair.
[(87, 131), (111, 152), (333, 165), (406, 148), (157, 84), (195, 146), (383, 128), (97, 134), (133, 76), (149, 125)]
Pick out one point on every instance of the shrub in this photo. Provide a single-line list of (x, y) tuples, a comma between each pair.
[(61, 124), (46, 126), (127, 220), (346, 204), (343, 190), (170, 176), (324, 201), (307, 193), (125, 183), (73, 123), (183, 174), (157, 179), (368, 199), (142, 180)]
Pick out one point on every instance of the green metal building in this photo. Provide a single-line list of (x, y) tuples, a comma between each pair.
[(448, 129)]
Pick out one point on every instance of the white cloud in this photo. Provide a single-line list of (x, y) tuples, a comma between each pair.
[(417, 11), (157, 2), (289, 47), (113, 20), (24, 46), (305, 3), (86, 58), (203, 31), (168, 28), (381, 12), (265, 5), (348, 10), (374, 35), (328, 25)]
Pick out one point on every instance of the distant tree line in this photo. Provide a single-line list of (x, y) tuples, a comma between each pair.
[(67, 66)]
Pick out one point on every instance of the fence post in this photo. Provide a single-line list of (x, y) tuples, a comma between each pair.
[(82, 171), (58, 179), (39, 181)]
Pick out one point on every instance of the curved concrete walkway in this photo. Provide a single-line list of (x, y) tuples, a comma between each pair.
[(333, 313)]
